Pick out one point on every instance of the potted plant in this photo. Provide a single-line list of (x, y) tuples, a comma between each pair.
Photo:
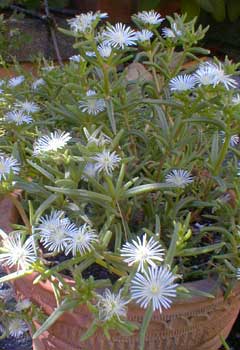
[(129, 167)]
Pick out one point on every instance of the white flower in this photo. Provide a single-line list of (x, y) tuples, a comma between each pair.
[(91, 104), (37, 83), (213, 74), (17, 328), (104, 50), (54, 230), (236, 99), (97, 137), (17, 253), (142, 252), (106, 161), (81, 240), (154, 286), (8, 165), (90, 54), (110, 305), (144, 35), (53, 142), (83, 22), (182, 83), (23, 305), (172, 32), (18, 117), (27, 106), (15, 81), (238, 273), (89, 171), (179, 177), (150, 17), (234, 140), (76, 58), (119, 36)]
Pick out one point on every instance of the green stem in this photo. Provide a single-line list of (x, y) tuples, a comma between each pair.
[(222, 154)]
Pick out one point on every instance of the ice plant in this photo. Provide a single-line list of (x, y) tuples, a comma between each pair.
[(27, 106), (154, 286), (119, 36), (104, 50), (18, 117), (91, 104), (81, 241), (106, 161), (111, 305), (8, 166), (17, 327), (15, 81), (172, 32), (182, 83), (144, 35), (150, 17), (16, 253), (142, 252), (179, 177), (53, 142)]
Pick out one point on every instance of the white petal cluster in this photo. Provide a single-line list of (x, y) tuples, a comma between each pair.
[(89, 171), (142, 253), (179, 178), (81, 240), (76, 58), (18, 117), (8, 165), (104, 50), (172, 32), (144, 35), (97, 137), (213, 74), (154, 286), (17, 253), (37, 83), (150, 17), (15, 81), (53, 142), (236, 99), (182, 83), (84, 22), (111, 305), (106, 161), (119, 36), (27, 106), (17, 328), (91, 104)]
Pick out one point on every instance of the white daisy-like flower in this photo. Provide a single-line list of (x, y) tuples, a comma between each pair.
[(18, 253), (238, 273), (142, 253), (154, 286), (91, 104), (97, 137), (37, 83), (8, 165), (234, 140), (23, 305), (106, 161), (144, 35), (83, 22), (76, 58), (90, 54), (119, 36), (182, 83), (111, 305), (104, 50), (89, 171), (18, 117), (17, 328), (236, 99), (150, 17), (27, 106), (212, 74), (172, 32), (54, 230), (81, 240), (179, 177), (15, 81), (53, 142)]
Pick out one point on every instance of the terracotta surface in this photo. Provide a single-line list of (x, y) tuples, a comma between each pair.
[(192, 324)]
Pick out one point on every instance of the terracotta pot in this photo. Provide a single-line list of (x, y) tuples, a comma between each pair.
[(195, 323)]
